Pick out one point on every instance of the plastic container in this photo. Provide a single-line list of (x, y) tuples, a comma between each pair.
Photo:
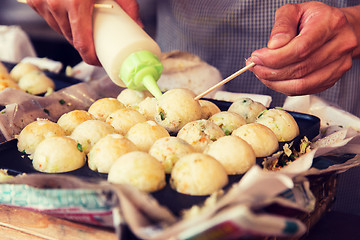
[(128, 54)]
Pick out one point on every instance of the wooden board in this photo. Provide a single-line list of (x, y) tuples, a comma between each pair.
[(16, 223)]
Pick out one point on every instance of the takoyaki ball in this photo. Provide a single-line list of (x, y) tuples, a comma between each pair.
[(8, 83), (144, 134), (89, 132), (4, 73), (261, 138), (103, 107), (208, 109), (168, 150), (198, 174), (35, 132), (5, 174), (58, 154), (200, 133), (123, 119), (109, 148), (21, 69), (281, 123), (130, 97), (177, 107), (247, 108), (36, 82), (147, 107), (69, 121), (228, 121), (138, 169), (235, 154), (4, 76)]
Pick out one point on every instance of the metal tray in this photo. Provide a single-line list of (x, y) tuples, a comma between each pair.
[(16, 163)]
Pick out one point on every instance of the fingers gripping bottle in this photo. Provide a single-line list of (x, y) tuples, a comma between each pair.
[(128, 54)]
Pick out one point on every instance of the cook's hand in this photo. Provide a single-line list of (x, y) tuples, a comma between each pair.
[(310, 48), (73, 19)]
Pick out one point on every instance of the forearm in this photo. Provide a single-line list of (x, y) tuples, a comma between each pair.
[(353, 16)]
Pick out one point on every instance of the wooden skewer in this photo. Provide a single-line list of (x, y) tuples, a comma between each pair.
[(97, 5), (102, 5), (225, 81)]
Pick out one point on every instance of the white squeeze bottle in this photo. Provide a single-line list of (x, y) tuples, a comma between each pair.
[(128, 54)]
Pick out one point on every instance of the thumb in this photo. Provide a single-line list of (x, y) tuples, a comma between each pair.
[(285, 27)]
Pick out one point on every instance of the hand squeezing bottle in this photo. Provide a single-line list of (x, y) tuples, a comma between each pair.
[(128, 54)]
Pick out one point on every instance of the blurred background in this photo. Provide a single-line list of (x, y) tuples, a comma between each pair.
[(47, 42)]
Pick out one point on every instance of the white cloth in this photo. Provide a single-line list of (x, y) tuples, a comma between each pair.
[(44, 64), (14, 44), (329, 114)]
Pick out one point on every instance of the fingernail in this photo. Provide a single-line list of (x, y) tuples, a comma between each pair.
[(254, 59), (278, 40)]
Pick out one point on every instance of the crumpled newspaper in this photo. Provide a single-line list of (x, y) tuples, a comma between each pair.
[(14, 44), (22, 108), (344, 141), (105, 204)]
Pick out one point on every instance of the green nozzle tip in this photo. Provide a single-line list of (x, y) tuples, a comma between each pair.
[(140, 71), (150, 84)]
